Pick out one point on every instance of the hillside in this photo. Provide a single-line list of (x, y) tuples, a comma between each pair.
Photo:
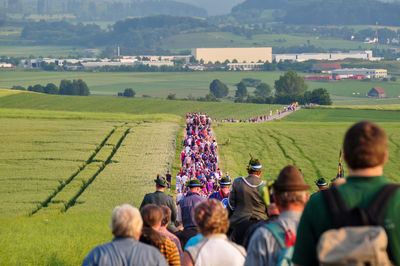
[(321, 12)]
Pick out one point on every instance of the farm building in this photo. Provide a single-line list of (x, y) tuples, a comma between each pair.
[(241, 55), (367, 73), (377, 92)]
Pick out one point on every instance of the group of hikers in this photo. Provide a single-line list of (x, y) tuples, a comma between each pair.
[(199, 159), (354, 222), (264, 117)]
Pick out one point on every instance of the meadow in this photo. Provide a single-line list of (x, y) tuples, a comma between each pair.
[(196, 84), (67, 161), (311, 146), (187, 41), (139, 106), (62, 177)]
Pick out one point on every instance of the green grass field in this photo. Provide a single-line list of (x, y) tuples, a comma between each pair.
[(68, 161), (227, 39), (69, 175), (311, 146), (135, 106), (196, 84)]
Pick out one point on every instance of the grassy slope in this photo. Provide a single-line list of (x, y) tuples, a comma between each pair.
[(310, 139), (49, 237), (153, 84), (226, 39), (343, 115), (134, 106), (159, 85)]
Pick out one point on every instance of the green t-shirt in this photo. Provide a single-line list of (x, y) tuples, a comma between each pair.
[(357, 191)]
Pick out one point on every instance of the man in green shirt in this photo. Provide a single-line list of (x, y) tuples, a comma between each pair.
[(365, 152)]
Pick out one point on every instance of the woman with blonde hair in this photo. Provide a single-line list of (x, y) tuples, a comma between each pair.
[(214, 248)]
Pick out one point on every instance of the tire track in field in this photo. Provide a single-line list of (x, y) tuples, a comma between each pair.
[(278, 142), (63, 184), (396, 145), (85, 185), (314, 165)]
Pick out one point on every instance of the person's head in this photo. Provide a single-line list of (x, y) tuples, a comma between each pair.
[(152, 216), (254, 167), (365, 145), (211, 217), (195, 185), (225, 183), (126, 221), (321, 183), (161, 182), (166, 216), (290, 189)]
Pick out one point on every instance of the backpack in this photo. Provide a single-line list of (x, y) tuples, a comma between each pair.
[(285, 240), (358, 237)]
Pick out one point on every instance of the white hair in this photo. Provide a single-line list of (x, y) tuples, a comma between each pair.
[(126, 221)]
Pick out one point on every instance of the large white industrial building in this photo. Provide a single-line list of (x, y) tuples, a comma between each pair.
[(241, 55), (368, 73), (301, 57)]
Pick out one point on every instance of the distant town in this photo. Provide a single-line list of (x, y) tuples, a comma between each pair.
[(231, 59)]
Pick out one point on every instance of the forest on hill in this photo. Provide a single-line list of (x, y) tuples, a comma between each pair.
[(319, 12)]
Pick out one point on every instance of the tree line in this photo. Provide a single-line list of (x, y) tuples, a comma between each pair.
[(289, 88), (66, 87)]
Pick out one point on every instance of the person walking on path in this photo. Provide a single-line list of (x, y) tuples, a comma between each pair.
[(365, 148), (245, 203), (125, 249), (160, 198), (185, 211), (290, 196), (152, 217), (214, 248)]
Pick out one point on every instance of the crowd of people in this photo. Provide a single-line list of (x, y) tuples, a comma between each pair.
[(278, 113), (199, 159), (354, 222)]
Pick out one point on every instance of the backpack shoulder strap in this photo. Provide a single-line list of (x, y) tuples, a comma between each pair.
[(377, 208), (278, 233), (336, 204)]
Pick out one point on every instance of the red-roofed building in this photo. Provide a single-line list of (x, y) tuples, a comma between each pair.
[(377, 92)]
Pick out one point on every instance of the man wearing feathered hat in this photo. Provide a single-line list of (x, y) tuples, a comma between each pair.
[(245, 203), (161, 199)]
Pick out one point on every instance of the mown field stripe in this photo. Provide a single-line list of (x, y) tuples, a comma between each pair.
[(69, 180), (278, 142), (85, 185), (314, 165)]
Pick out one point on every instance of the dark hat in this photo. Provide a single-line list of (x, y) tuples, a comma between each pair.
[(195, 183), (321, 182), (225, 181), (290, 179), (161, 181)]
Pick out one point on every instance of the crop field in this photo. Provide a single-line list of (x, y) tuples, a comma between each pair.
[(60, 179), (196, 84), (133, 106), (311, 146)]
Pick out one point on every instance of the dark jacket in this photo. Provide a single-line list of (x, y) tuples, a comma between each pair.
[(245, 201), (187, 205), (159, 198)]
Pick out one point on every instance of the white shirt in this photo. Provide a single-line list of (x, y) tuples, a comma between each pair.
[(217, 250)]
